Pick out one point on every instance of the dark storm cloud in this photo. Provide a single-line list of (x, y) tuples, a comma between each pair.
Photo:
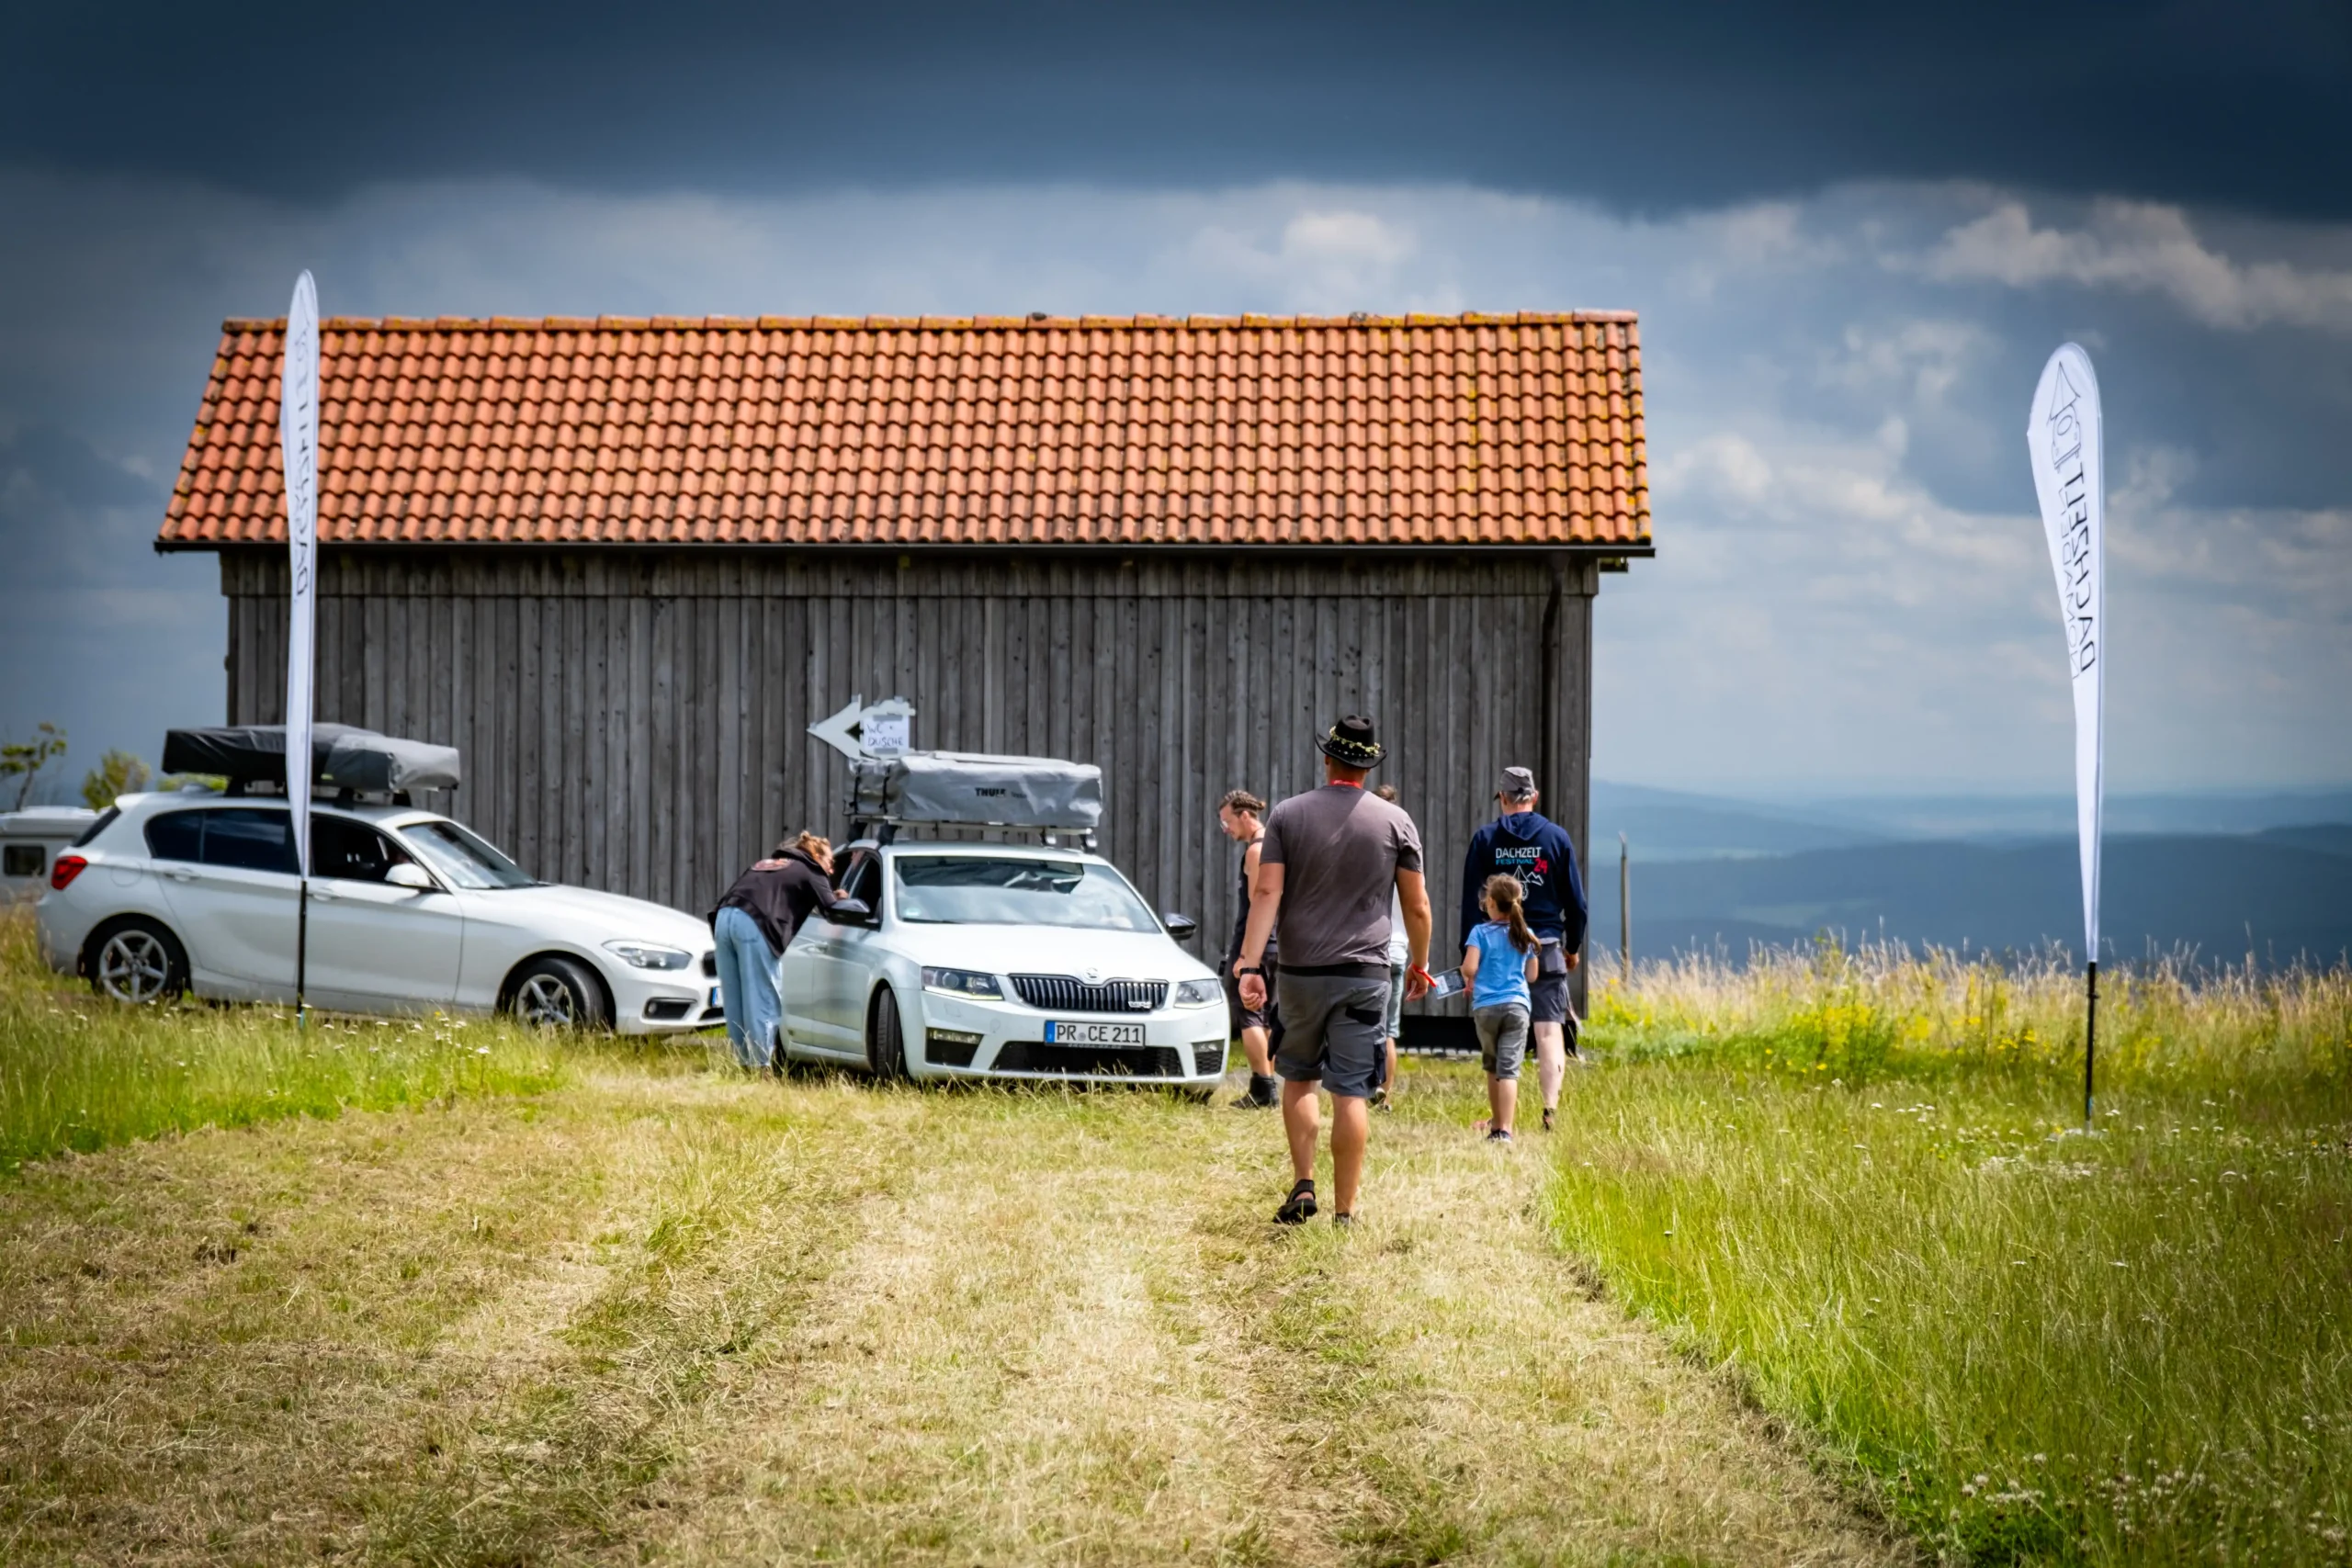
[(1651, 106)]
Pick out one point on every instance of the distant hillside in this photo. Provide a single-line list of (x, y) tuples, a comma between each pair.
[(1669, 824), (2328, 837), (2289, 887)]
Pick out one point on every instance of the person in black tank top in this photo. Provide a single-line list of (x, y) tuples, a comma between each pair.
[(1240, 813)]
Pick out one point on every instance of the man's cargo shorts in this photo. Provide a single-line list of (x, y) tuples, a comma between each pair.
[(1549, 991), (1334, 1029)]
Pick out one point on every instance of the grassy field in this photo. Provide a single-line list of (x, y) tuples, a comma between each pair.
[(659, 1311), (78, 1075), (1855, 1180), (1809, 1275)]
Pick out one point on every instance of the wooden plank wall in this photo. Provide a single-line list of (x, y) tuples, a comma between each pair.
[(637, 721)]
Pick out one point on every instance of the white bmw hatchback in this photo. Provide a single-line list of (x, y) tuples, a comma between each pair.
[(408, 911), (1001, 961)]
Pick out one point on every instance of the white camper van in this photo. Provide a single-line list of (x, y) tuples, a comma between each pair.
[(29, 841)]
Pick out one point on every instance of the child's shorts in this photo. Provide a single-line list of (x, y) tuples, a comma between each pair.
[(1503, 1038)]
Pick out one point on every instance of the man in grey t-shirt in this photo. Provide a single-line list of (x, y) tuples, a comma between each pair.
[(1329, 862)]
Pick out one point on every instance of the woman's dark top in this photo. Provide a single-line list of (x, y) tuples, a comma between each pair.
[(779, 895)]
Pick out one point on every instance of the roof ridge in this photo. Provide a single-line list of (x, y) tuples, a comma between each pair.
[(1037, 322)]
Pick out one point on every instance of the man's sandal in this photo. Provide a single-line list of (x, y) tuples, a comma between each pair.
[(1299, 1207)]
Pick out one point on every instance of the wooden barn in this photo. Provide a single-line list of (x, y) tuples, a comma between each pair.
[(623, 563)]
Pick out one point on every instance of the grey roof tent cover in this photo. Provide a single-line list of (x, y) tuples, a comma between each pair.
[(976, 791), (343, 757)]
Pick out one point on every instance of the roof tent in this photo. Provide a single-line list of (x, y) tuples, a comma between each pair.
[(968, 790), (343, 757)]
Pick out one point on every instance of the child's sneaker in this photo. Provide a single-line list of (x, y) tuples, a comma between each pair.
[(1547, 1118), (1497, 1135)]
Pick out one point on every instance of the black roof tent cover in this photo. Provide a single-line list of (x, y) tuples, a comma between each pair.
[(342, 757)]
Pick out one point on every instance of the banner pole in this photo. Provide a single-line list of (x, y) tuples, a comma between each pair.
[(297, 443), (301, 947), (2090, 1037)]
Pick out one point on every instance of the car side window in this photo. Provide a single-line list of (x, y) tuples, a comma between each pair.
[(250, 838), (351, 851), (176, 835), (865, 881)]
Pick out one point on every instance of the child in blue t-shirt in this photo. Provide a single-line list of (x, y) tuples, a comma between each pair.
[(1496, 964)]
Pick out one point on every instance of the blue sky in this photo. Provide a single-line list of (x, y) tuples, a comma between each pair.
[(1852, 241)]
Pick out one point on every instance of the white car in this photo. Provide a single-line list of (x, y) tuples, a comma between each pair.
[(1001, 961), (408, 911)]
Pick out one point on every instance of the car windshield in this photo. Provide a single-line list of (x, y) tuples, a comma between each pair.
[(462, 859), (975, 890)]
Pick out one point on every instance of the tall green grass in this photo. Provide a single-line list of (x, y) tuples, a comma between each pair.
[(78, 1072), (1857, 1178)]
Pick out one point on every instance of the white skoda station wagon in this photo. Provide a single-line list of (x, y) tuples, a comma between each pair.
[(1001, 961)]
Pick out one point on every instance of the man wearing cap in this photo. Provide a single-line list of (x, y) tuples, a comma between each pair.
[(1328, 864), (1521, 842)]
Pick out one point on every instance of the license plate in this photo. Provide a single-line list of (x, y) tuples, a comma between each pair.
[(1059, 1034), (715, 999)]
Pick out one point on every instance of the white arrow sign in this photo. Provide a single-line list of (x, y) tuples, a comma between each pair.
[(885, 729)]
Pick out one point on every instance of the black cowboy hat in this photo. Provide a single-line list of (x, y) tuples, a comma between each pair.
[(1350, 742)]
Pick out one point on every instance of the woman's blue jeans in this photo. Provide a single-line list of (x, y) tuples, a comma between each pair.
[(751, 984)]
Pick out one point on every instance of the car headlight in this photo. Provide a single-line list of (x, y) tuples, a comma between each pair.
[(649, 955), (1198, 993), (962, 983)]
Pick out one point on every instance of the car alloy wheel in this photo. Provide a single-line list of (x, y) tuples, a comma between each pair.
[(545, 1002), (135, 967), (557, 992)]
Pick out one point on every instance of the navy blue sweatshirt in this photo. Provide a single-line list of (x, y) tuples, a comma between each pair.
[(1536, 851)]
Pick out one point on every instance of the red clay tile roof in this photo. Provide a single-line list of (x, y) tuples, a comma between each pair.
[(1515, 429)]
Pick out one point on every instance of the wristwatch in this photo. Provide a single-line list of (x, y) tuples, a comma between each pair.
[(1254, 969)]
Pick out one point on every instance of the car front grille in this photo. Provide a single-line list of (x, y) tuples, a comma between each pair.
[(1067, 992), (1091, 1061), (1208, 1057)]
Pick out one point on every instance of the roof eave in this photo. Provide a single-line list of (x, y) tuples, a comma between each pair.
[(1643, 551)]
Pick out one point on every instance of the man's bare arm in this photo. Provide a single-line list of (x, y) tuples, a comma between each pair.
[(1265, 899), (1413, 901)]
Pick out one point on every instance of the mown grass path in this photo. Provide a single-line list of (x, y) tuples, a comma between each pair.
[(661, 1314)]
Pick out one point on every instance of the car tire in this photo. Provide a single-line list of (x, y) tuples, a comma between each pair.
[(554, 992), (136, 962), (886, 1039)]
